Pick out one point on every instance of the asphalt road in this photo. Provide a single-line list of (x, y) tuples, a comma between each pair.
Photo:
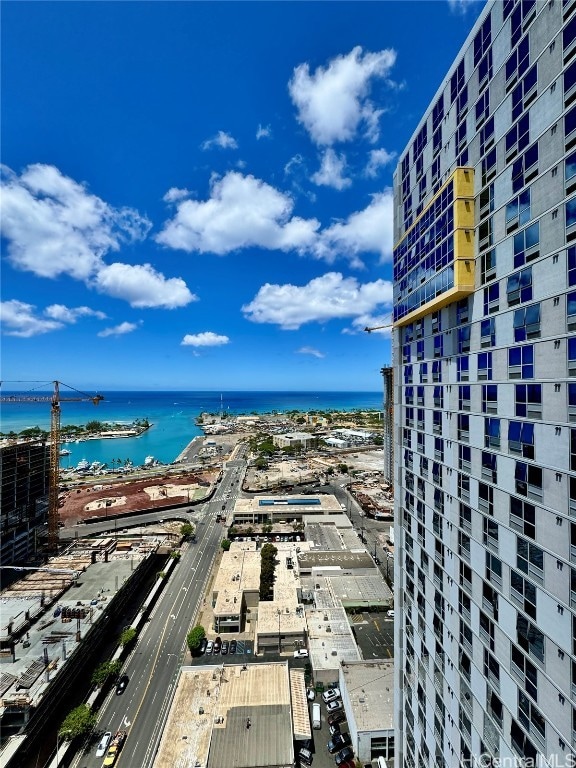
[(154, 663)]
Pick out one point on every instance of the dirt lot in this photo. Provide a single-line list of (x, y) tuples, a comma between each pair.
[(99, 498)]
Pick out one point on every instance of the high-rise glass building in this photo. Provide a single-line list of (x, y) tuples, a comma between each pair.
[(485, 401)]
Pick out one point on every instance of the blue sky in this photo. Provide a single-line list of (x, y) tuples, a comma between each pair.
[(197, 195)]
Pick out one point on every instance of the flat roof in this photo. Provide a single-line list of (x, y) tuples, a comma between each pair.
[(340, 559), (239, 572), (300, 503), (330, 637), (370, 688)]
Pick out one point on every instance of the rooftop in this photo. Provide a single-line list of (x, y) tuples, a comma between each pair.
[(370, 688)]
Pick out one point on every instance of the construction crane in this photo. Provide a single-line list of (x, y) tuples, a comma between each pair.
[(378, 327), (55, 400)]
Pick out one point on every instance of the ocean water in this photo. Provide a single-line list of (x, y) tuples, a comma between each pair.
[(172, 415)]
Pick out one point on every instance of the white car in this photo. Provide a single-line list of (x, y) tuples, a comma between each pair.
[(334, 705), (390, 614), (301, 653), (331, 694), (103, 744)]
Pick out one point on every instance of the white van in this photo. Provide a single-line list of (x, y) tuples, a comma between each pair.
[(316, 721), (382, 763)]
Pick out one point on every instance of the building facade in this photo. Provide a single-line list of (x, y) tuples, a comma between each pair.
[(24, 480), (485, 401)]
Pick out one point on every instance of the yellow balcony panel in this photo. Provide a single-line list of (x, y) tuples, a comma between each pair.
[(446, 298), (464, 244), (464, 275), (463, 214), (464, 182)]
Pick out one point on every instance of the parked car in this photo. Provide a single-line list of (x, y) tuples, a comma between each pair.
[(390, 614), (209, 647), (225, 647), (341, 740), (334, 705), (121, 685), (331, 694), (311, 694), (334, 728), (301, 653), (333, 746), (202, 647), (217, 645), (344, 755), (305, 756), (103, 744), (337, 717), (232, 646)]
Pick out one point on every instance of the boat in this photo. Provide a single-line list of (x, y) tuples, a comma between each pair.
[(65, 452), (149, 461), (82, 465)]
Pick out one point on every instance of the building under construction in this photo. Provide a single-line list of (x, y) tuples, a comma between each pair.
[(24, 486)]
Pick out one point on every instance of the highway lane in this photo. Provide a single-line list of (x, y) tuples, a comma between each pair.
[(153, 664), (160, 650)]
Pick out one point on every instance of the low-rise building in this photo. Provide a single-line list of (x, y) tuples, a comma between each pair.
[(296, 440), (367, 689)]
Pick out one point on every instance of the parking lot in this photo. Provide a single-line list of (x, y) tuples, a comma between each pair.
[(321, 758), (374, 634)]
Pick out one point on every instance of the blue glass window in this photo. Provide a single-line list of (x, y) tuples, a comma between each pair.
[(484, 366), (463, 368), (437, 370), (527, 323), (518, 211), (529, 401), (521, 438), (438, 112), (464, 397), (518, 136), (491, 298), (482, 40), (438, 345), (488, 332), (569, 77), (423, 373), (406, 353), (408, 374), (457, 81), (570, 305), (571, 349), (519, 287), (570, 165), (489, 398), (526, 244), (521, 362), (569, 122), (485, 67), (409, 395), (519, 60), (525, 168), (463, 339), (491, 432), (571, 212), (482, 107), (486, 134)]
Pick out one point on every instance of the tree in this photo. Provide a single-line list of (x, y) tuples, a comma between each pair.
[(128, 636), (175, 554), (194, 638), (79, 721), (94, 426), (104, 672), (225, 544), (186, 530)]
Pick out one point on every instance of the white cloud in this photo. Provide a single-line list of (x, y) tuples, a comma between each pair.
[(293, 164), (310, 351), (71, 314), (119, 330), (460, 7), (331, 171), (322, 299), (377, 159), (366, 231), (333, 103), (142, 286), (264, 132), (19, 319), (242, 212), (222, 140), (54, 226), (174, 194), (205, 339)]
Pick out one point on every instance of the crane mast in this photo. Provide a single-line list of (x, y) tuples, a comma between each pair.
[(54, 472)]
